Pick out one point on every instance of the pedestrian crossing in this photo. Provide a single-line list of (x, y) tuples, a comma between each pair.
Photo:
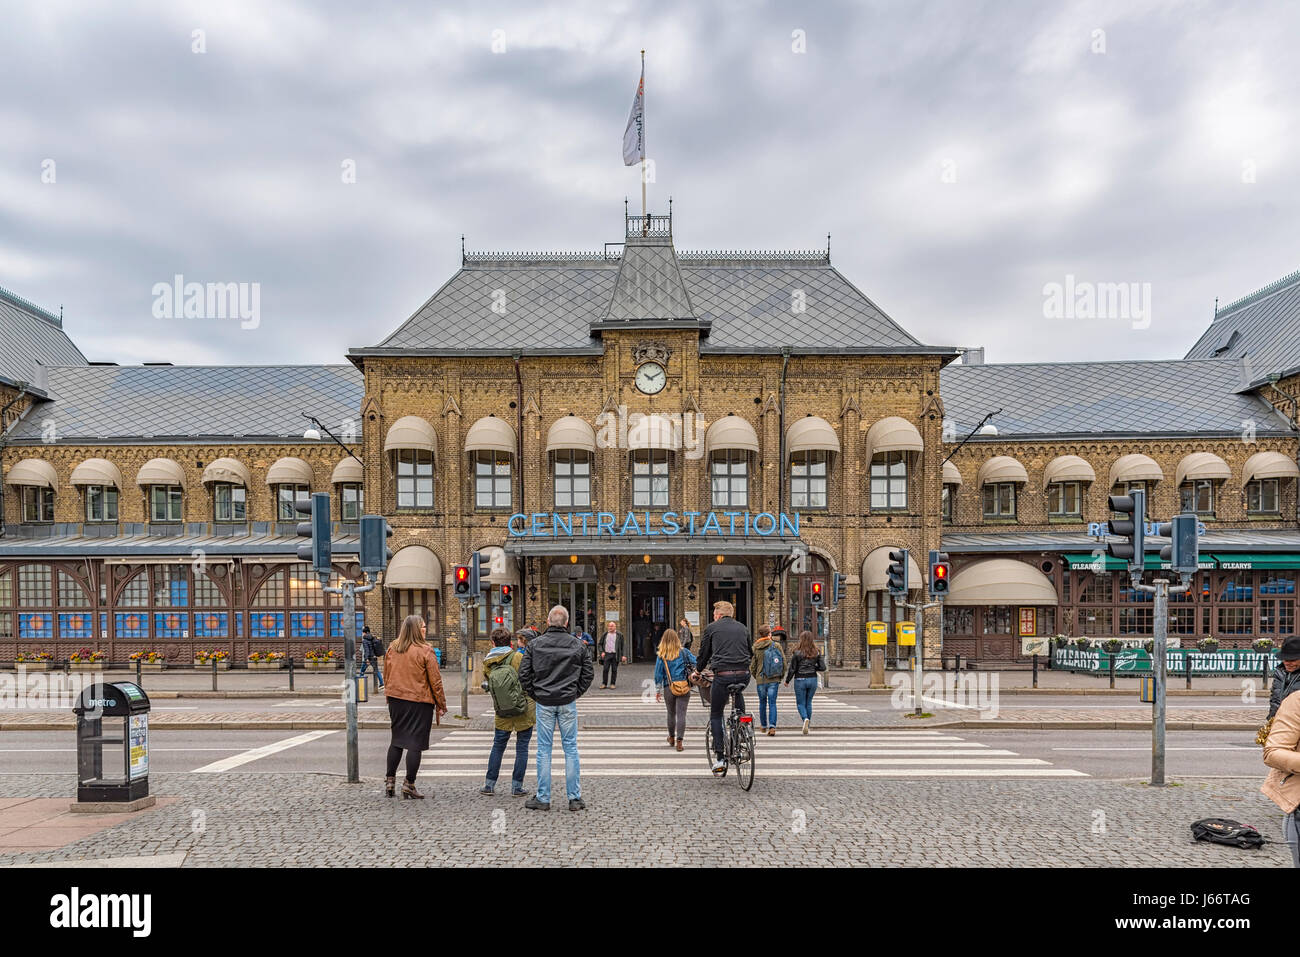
[(845, 754), (594, 704)]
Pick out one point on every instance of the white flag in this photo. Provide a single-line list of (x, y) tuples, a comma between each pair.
[(634, 135)]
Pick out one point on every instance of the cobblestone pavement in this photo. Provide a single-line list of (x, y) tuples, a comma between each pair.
[(318, 820)]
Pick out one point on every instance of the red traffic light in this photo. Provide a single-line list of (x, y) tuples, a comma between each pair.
[(462, 573), (940, 572), (817, 588), (498, 620)]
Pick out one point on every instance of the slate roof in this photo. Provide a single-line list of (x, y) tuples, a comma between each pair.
[(1263, 329), (549, 303), (135, 545), (30, 336), (180, 403), (1173, 397)]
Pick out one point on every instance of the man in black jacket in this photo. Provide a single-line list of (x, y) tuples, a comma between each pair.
[(555, 673), (1286, 676), (726, 645)]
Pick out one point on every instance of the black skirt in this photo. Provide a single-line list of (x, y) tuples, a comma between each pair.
[(411, 723)]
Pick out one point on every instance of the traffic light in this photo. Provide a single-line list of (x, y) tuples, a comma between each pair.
[(475, 575), (375, 553), (816, 598), (896, 573), (1131, 528), (1183, 549), (940, 573), (460, 578), (317, 528), (507, 594), (839, 589)]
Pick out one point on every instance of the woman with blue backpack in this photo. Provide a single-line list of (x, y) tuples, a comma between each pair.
[(673, 667), (768, 667), (514, 710)]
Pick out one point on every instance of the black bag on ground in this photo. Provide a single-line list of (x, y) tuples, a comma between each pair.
[(1218, 830)]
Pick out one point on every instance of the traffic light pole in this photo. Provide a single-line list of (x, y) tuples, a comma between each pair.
[(349, 591), (468, 613), (920, 649), (1162, 590)]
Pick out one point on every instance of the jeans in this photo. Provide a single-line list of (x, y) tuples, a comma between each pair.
[(379, 675), (566, 716), (718, 699), (610, 669), (767, 703), (804, 689), (676, 713), (521, 757), (1291, 831)]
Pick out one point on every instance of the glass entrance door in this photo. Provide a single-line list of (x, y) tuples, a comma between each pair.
[(651, 613), (736, 592), (580, 599)]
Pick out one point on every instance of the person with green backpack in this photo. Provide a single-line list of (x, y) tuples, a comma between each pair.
[(515, 711), (768, 668)]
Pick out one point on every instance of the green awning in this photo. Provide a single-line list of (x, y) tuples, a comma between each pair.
[(1243, 560), (1152, 562)]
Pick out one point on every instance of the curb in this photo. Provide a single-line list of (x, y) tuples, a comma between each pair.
[(1063, 692)]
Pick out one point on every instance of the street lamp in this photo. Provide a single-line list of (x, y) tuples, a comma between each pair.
[(313, 433)]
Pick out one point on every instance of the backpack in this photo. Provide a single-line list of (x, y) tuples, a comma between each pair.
[(508, 698), (773, 661), (377, 647), (1218, 830)]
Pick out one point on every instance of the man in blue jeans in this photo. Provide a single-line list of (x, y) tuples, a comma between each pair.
[(555, 673), (726, 645)]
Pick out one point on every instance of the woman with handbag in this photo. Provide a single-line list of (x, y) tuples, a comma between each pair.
[(673, 666), (1282, 755), (415, 699)]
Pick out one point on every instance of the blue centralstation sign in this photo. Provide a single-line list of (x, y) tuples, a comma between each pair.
[(643, 524)]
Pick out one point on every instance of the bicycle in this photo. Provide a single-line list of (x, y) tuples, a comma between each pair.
[(738, 752)]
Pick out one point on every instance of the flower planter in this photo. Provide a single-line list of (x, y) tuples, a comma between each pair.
[(322, 665), (87, 665), (152, 665), (265, 665), (207, 665), (34, 665)]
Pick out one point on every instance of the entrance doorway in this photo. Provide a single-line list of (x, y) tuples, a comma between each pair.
[(650, 614), (734, 591)]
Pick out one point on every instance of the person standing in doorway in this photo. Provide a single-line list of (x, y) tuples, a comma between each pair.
[(514, 711), (555, 673), (611, 655), (804, 665), (768, 667), (415, 699), (673, 667)]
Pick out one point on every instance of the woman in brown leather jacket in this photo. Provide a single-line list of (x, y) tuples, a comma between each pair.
[(414, 693)]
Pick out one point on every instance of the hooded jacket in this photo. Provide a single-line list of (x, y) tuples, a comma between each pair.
[(503, 656), (756, 663), (557, 669)]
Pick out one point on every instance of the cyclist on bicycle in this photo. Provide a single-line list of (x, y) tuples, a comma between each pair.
[(727, 646)]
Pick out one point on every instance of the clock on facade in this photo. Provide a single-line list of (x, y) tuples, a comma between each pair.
[(651, 378)]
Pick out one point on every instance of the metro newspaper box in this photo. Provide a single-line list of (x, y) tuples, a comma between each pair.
[(905, 633), (114, 714), (877, 633)]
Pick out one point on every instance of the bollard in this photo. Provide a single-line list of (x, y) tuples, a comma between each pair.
[(1111, 658), (291, 672), (214, 674), (139, 673), (1035, 671), (1187, 664), (957, 665), (1264, 675)]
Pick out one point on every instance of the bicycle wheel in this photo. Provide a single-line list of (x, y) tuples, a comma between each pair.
[(744, 756)]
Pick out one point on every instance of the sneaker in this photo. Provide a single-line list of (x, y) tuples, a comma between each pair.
[(518, 794), (805, 725), (719, 765), (603, 687), (576, 804), (613, 686), (487, 789), (535, 805)]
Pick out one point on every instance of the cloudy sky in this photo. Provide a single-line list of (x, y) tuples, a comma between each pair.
[(962, 155)]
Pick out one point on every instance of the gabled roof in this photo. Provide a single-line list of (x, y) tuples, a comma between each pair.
[(30, 336), (1263, 329), (185, 403), (540, 303), (1175, 397)]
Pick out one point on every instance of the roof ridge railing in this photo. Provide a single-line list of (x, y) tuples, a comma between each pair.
[(539, 257), (1260, 293), (755, 255), (657, 225), (691, 256), (18, 300)]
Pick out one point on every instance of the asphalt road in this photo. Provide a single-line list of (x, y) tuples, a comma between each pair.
[(1103, 754)]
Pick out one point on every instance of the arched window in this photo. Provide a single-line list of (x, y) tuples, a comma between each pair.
[(802, 614)]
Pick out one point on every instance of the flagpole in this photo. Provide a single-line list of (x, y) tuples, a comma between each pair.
[(645, 221)]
